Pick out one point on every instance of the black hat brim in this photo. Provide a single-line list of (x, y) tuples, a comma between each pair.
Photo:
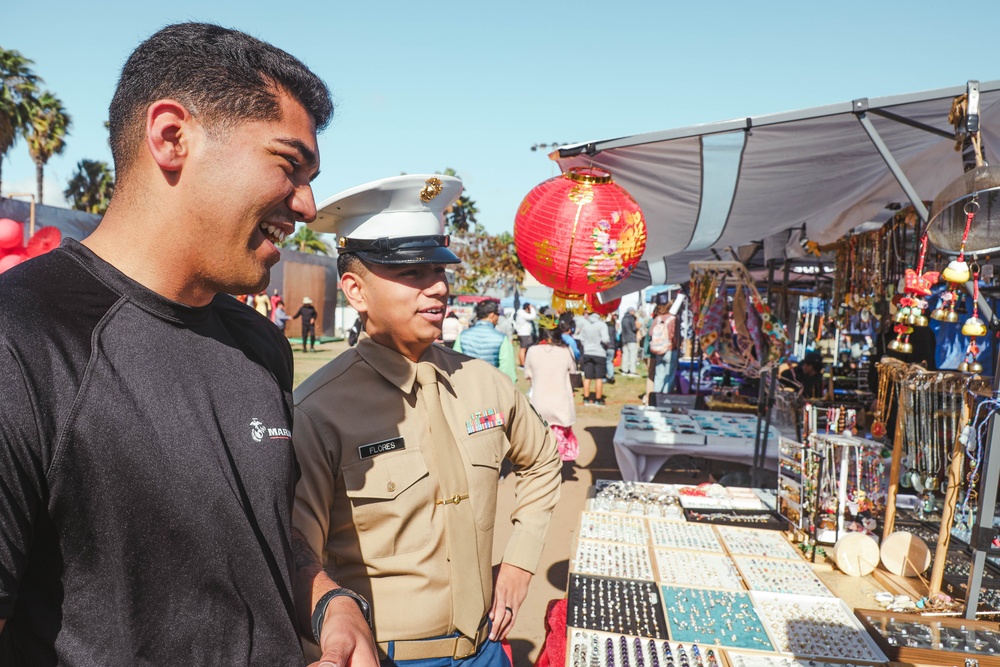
[(436, 255)]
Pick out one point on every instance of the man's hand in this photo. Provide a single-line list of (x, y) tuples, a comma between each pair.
[(346, 640), (509, 591)]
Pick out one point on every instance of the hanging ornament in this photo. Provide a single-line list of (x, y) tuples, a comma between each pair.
[(579, 233), (916, 287), (957, 273), (973, 328)]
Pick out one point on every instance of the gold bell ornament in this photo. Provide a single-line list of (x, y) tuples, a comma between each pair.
[(973, 328)]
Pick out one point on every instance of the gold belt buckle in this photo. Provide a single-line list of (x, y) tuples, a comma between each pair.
[(472, 643), (454, 500), (477, 641)]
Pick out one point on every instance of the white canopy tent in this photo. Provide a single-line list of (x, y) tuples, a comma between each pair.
[(719, 185)]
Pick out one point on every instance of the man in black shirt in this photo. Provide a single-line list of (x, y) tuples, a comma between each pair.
[(308, 314), (146, 468), (808, 375)]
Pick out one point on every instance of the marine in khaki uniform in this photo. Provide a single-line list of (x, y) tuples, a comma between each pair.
[(400, 443)]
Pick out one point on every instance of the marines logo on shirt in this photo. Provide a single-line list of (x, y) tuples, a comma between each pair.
[(258, 431)]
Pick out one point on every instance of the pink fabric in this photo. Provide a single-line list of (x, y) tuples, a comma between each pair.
[(569, 447)]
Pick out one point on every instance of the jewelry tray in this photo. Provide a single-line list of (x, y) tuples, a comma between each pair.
[(612, 615), (932, 640)]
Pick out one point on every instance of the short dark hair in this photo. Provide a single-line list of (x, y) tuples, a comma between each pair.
[(224, 77), (348, 262), (486, 308), (553, 336)]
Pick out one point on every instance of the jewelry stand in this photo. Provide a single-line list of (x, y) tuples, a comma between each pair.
[(948, 513)]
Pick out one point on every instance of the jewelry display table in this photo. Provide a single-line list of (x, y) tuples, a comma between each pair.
[(646, 437), (648, 588)]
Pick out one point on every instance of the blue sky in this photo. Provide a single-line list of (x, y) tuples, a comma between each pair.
[(420, 86)]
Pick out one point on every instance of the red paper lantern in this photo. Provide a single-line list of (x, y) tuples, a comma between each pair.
[(11, 233), (579, 233), (602, 309)]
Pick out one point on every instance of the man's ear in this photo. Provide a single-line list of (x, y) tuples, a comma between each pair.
[(170, 129), (352, 285)]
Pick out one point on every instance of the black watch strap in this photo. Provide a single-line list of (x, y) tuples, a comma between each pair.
[(319, 613)]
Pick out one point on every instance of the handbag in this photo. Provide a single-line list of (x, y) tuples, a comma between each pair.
[(576, 379)]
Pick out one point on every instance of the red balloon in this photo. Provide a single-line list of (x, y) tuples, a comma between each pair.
[(8, 261), (44, 240), (11, 233), (579, 233)]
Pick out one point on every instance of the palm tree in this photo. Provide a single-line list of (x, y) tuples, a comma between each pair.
[(306, 240), (91, 186), (46, 132), (460, 216), (17, 82)]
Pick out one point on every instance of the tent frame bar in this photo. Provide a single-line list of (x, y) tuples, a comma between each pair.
[(875, 104), (890, 161)]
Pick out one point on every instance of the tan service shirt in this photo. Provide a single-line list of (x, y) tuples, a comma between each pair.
[(374, 518)]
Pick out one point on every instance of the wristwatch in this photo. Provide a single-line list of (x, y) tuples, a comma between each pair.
[(320, 612)]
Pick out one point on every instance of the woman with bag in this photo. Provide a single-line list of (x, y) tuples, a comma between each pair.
[(547, 366), (663, 349)]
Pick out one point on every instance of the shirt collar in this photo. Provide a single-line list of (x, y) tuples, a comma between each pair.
[(394, 367)]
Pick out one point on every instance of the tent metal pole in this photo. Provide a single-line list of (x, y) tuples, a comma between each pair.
[(982, 530), (861, 108), (764, 399)]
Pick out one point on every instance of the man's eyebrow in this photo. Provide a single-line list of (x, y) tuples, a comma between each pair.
[(307, 153)]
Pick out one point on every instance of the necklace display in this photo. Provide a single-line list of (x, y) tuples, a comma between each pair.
[(781, 576), (613, 528), (722, 618), (687, 568), (690, 536), (932, 406), (751, 542), (973, 438), (816, 627), (765, 520), (613, 560), (596, 649), (615, 605)]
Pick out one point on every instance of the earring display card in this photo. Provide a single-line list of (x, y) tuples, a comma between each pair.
[(749, 542), (609, 559), (777, 575), (692, 537), (815, 627), (744, 659), (598, 649), (613, 528), (720, 618), (697, 570), (933, 640), (625, 607)]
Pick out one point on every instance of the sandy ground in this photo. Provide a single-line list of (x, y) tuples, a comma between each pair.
[(594, 429)]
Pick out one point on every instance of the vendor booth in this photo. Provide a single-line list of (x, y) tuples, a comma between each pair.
[(875, 535)]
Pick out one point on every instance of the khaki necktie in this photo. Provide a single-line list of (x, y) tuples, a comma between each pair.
[(459, 520)]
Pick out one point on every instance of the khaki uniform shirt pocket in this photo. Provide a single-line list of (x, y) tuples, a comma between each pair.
[(485, 450), (390, 502)]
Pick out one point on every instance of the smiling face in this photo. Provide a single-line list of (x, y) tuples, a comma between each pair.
[(404, 305), (248, 185)]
